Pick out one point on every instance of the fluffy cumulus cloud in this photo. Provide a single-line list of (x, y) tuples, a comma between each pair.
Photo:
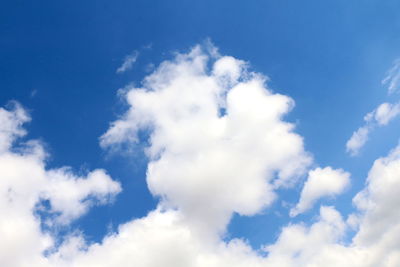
[(25, 184), (379, 224), (320, 183), (218, 144), (218, 141), (376, 222)]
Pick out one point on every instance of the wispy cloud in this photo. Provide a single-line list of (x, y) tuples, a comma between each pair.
[(128, 62), (392, 79), (380, 116)]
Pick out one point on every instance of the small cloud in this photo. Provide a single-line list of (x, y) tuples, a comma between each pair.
[(128, 62), (321, 183), (358, 140), (380, 116), (392, 79)]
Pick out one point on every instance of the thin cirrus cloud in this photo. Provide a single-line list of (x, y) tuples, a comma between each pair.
[(128, 62), (380, 116), (218, 145)]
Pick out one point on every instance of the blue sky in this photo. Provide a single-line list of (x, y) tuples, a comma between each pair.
[(63, 62)]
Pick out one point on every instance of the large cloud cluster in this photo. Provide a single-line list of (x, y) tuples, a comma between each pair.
[(218, 144)]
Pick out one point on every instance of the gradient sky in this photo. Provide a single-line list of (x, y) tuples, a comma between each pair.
[(65, 62)]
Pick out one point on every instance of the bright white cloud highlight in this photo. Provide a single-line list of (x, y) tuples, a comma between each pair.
[(128, 62), (321, 183)]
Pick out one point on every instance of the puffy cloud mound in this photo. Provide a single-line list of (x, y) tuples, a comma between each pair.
[(376, 221), (379, 224), (218, 142)]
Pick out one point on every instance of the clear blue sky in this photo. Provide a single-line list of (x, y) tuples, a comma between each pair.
[(59, 60)]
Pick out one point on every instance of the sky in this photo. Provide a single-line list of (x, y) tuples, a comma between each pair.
[(199, 133)]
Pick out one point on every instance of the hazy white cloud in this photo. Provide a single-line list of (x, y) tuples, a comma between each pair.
[(380, 116), (392, 79), (321, 183), (128, 62)]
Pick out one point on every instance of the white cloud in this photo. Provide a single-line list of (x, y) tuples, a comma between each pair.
[(358, 140), (377, 221), (11, 125), (321, 183), (380, 116), (380, 224), (384, 113), (128, 62), (159, 239), (25, 182), (183, 135), (205, 162), (392, 79)]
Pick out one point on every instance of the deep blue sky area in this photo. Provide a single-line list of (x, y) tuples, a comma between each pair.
[(59, 60)]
